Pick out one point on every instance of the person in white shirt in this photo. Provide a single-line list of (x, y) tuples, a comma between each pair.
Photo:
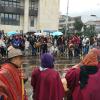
[(27, 44), (85, 43)]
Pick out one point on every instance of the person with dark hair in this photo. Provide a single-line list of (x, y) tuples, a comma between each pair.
[(83, 80), (2, 48), (61, 45), (0, 34), (44, 47), (76, 41), (32, 41), (46, 81)]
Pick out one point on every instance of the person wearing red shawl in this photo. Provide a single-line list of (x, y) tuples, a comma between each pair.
[(46, 81), (83, 80), (11, 86), (76, 41)]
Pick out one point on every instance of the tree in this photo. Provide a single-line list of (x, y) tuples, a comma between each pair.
[(89, 30), (78, 25)]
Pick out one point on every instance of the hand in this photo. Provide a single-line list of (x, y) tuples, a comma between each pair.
[(77, 65)]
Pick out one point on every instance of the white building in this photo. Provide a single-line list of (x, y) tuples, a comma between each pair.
[(95, 23), (62, 22), (71, 22), (26, 15)]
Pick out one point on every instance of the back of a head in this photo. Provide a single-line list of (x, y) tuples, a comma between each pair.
[(47, 60)]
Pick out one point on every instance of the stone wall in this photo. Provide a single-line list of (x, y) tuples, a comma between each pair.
[(48, 15)]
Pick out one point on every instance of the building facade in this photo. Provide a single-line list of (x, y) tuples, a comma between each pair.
[(70, 24), (62, 22), (26, 15), (95, 23)]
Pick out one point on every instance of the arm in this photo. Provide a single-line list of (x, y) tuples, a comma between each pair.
[(64, 82), (72, 77)]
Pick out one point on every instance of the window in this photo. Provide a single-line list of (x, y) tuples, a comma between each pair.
[(2, 2), (2, 18), (14, 3), (6, 18), (6, 3), (62, 21), (10, 4), (10, 19), (32, 21), (34, 4)]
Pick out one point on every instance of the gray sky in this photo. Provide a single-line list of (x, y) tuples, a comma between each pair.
[(83, 8)]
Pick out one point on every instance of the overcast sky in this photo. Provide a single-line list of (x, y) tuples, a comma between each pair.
[(85, 8)]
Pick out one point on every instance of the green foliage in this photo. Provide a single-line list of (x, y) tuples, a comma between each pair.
[(89, 31), (79, 33), (78, 25)]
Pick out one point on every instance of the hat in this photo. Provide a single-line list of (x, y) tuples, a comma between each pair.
[(14, 53), (92, 57), (47, 61)]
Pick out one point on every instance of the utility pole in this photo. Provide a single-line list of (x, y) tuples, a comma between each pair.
[(66, 26)]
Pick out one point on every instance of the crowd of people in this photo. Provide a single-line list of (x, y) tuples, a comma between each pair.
[(80, 82), (30, 44)]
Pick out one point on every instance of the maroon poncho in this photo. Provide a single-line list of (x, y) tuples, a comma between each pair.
[(10, 82), (47, 85), (90, 92)]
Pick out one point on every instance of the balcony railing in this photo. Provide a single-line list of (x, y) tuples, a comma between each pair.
[(12, 9), (18, 10)]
